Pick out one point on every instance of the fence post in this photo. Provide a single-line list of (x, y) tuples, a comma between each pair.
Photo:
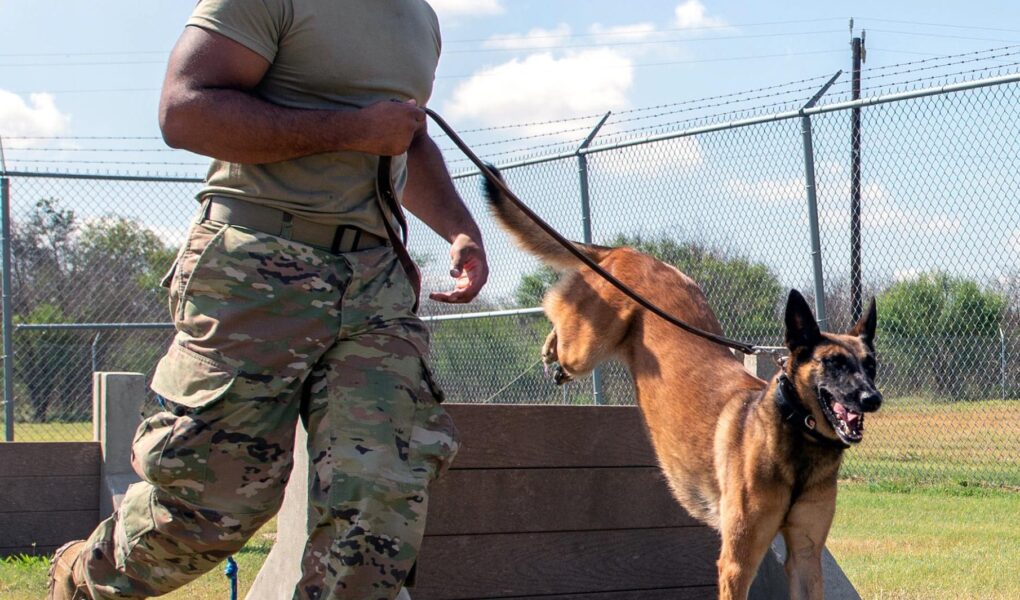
[(812, 200), (116, 414), (8, 317), (582, 170), (856, 293)]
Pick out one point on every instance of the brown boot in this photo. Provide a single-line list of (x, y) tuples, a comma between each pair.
[(65, 584)]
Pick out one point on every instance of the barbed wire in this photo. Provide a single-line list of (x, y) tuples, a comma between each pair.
[(658, 118)]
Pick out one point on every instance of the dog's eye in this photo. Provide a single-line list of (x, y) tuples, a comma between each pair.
[(836, 362), (870, 367)]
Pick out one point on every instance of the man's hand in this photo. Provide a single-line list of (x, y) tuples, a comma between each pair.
[(387, 128), (469, 270)]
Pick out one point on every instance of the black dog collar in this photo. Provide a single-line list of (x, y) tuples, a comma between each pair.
[(792, 411)]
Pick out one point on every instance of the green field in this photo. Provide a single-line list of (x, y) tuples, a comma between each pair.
[(892, 542), (924, 442), (928, 508)]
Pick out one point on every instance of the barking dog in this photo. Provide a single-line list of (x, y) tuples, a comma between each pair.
[(750, 458)]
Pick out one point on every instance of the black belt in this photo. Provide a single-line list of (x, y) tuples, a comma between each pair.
[(333, 238)]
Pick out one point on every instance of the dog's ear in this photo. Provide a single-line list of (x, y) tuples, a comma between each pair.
[(865, 327), (801, 328)]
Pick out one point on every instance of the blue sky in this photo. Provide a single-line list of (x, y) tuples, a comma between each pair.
[(79, 85), (75, 68)]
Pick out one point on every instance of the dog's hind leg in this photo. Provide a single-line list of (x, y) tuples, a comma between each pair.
[(550, 358), (805, 531)]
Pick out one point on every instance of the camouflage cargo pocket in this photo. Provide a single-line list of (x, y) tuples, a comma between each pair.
[(171, 448), (434, 438), (201, 236)]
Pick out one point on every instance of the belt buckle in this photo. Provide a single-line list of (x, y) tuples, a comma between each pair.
[(346, 239)]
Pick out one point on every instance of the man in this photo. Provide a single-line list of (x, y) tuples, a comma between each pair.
[(293, 298)]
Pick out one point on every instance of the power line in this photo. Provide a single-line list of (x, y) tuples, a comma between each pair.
[(947, 25), (639, 43), (512, 37), (51, 54), (85, 64), (945, 36), (683, 62)]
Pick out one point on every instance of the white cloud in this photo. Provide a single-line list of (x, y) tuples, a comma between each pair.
[(37, 117), (562, 36), (692, 15), (909, 274), (638, 32), (543, 87), (467, 8), (878, 209), (769, 192), (536, 39), (682, 153)]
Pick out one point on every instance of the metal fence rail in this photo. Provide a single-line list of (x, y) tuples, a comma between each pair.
[(724, 201)]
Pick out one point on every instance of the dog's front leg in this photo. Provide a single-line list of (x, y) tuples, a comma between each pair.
[(749, 521), (805, 531)]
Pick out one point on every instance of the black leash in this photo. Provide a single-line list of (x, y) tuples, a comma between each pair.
[(581, 256)]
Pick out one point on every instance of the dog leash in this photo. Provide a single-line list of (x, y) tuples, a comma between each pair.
[(587, 261)]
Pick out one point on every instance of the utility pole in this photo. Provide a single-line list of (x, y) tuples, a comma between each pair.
[(856, 292)]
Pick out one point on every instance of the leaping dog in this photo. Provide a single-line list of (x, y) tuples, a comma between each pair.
[(750, 458)]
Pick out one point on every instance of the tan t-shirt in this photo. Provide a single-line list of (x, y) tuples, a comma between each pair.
[(326, 54)]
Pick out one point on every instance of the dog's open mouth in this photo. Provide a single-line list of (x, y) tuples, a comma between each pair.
[(849, 424)]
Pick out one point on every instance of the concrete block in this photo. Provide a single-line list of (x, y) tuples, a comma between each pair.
[(771, 581), (282, 569), (762, 366), (117, 412)]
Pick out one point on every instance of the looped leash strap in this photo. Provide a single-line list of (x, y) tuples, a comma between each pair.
[(588, 262), (388, 203)]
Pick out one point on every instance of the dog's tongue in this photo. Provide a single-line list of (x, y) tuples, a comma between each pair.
[(845, 415)]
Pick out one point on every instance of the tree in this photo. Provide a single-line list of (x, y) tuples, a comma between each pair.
[(44, 365), (107, 270), (939, 334), (533, 286), (120, 254)]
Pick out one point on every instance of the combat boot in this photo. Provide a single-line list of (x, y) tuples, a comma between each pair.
[(67, 579)]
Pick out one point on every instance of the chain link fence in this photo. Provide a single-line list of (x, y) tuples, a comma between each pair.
[(725, 202)]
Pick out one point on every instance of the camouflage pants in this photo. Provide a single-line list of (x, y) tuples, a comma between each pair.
[(269, 332)]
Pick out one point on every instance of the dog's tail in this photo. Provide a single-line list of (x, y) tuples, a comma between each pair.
[(530, 236)]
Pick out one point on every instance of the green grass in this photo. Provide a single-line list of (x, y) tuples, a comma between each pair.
[(922, 442), (928, 508), (53, 432), (932, 543), (24, 578), (894, 542)]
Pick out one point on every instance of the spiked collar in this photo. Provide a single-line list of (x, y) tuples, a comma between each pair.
[(792, 412)]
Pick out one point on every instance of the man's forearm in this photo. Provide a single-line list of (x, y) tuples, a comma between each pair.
[(236, 126), (208, 106)]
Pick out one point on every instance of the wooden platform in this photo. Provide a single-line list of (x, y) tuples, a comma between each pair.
[(49, 494), (555, 502), (559, 502)]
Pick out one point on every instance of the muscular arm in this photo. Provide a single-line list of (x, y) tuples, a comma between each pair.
[(207, 106), (430, 195)]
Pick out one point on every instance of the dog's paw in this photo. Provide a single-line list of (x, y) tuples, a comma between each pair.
[(560, 376)]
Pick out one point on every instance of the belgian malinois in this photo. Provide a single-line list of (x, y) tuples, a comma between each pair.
[(748, 457)]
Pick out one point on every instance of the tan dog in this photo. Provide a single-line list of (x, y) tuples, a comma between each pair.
[(750, 458)]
